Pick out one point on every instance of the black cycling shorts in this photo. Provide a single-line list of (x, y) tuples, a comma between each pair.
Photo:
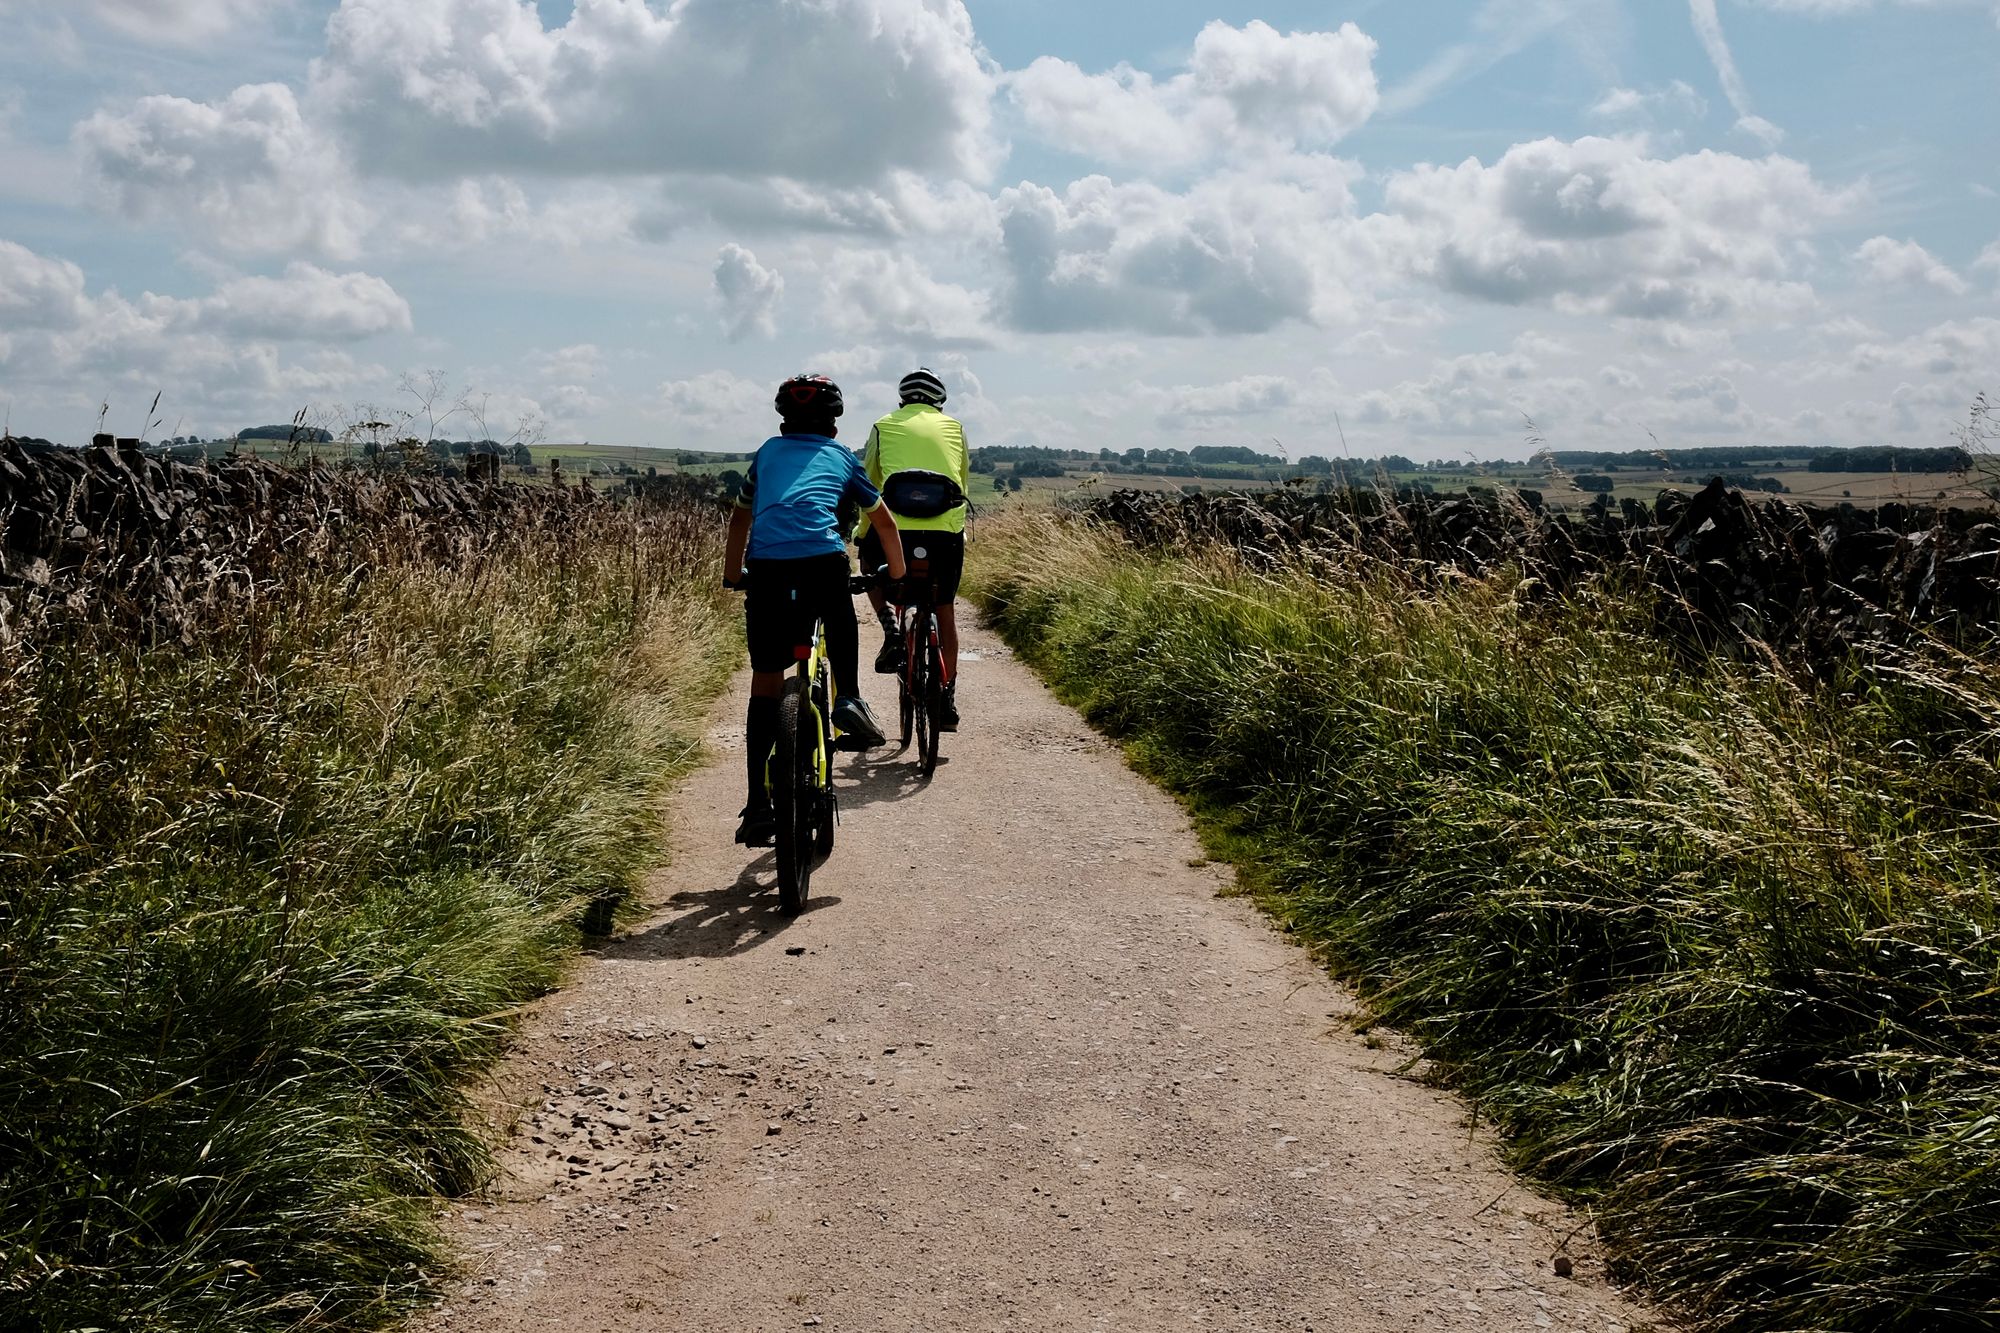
[(782, 600), (944, 550)]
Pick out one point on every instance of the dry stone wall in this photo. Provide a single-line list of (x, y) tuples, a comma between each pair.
[(160, 548), (1831, 578)]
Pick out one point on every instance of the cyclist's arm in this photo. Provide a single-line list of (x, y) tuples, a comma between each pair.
[(884, 524), (964, 462), (737, 538), (733, 544), (871, 457)]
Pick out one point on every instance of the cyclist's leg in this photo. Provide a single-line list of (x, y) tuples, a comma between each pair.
[(771, 614), (947, 569), (829, 598), (947, 614), (827, 594), (871, 557)]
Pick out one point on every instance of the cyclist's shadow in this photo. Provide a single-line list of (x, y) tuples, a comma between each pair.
[(716, 923), (879, 776)]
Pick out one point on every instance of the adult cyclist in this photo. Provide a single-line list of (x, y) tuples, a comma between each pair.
[(919, 437), (787, 521)]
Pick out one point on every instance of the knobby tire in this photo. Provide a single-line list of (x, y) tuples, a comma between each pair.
[(920, 703), (795, 794), (905, 701), (933, 699)]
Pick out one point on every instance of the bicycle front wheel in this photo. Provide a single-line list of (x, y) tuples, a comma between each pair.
[(795, 794), (905, 699)]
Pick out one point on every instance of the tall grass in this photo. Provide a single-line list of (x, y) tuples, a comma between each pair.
[(266, 904), (1714, 942)]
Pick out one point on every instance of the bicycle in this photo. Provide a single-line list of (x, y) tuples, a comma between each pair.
[(799, 772), (921, 683)]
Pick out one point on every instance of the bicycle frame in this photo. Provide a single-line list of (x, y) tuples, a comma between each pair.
[(817, 671)]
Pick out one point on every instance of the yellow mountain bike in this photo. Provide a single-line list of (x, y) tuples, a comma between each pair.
[(799, 773)]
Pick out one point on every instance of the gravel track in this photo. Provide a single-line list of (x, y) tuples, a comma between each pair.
[(1018, 1066)]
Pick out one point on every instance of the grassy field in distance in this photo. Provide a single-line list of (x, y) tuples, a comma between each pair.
[(1802, 485)]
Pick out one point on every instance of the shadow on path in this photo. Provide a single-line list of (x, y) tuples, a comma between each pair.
[(866, 780), (716, 923)]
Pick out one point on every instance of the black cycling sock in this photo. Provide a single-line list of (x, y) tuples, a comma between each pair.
[(887, 620), (760, 734), (843, 647)]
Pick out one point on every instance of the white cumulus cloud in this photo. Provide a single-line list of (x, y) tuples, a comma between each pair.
[(249, 171), (1244, 88), (1906, 264), (1239, 252), (37, 292), (210, 354), (748, 293), (837, 92), (1596, 225), (721, 399), (1245, 396), (307, 303), (893, 298)]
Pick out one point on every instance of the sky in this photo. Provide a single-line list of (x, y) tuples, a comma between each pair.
[(1423, 227)]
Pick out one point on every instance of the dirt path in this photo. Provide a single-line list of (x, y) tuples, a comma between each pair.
[(1018, 1067)]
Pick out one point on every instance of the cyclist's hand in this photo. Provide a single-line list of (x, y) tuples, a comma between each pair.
[(737, 583), (897, 571)]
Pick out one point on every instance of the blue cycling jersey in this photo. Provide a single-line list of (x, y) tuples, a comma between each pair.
[(796, 486)]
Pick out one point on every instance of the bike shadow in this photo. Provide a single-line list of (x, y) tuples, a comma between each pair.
[(866, 780), (716, 923)]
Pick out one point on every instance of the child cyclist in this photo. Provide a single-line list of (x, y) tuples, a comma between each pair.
[(788, 518)]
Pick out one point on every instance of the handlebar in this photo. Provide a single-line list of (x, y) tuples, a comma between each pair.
[(855, 582), (863, 582)]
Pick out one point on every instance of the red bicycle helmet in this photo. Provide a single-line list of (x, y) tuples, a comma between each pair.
[(809, 398)]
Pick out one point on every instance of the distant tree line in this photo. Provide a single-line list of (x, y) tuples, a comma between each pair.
[(1215, 462), (287, 432), (1739, 465), (1885, 459), (1733, 461)]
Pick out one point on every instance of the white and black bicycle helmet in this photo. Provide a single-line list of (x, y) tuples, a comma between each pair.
[(922, 386)]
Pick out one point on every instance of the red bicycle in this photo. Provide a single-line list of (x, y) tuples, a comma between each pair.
[(921, 684)]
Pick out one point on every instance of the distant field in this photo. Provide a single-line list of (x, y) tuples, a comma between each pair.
[(1868, 488)]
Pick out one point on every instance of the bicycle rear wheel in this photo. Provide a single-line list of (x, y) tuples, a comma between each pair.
[(795, 794), (825, 811), (924, 724), (932, 704)]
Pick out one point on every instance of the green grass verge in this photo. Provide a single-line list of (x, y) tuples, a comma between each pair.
[(266, 905), (1714, 944)]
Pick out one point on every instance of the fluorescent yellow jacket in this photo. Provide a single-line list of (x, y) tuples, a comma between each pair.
[(920, 438)]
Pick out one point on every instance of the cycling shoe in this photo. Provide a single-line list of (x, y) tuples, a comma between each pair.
[(759, 827), (857, 725)]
